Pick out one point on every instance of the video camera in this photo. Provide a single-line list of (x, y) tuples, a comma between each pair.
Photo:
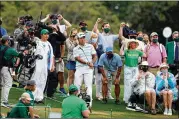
[(83, 95), (129, 33), (24, 19)]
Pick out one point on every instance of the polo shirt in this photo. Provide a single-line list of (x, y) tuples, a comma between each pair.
[(73, 106), (85, 53), (110, 64)]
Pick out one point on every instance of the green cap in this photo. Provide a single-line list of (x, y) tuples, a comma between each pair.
[(73, 88), (44, 31)]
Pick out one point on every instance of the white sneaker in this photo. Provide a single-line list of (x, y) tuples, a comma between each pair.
[(169, 112), (129, 104), (138, 108), (110, 97), (166, 111)]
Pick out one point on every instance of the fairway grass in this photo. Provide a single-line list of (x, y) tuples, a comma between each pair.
[(99, 110)]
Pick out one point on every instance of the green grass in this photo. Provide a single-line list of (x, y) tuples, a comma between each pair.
[(99, 110)]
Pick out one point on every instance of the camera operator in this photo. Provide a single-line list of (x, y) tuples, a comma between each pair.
[(2, 30), (173, 52), (73, 106), (8, 61)]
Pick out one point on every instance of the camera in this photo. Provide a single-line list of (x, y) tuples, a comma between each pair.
[(129, 33), (83, 95), (23, 19), (54, 16)]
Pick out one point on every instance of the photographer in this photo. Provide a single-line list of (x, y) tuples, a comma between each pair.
[(73, 106), (2, 30), (7, 62)]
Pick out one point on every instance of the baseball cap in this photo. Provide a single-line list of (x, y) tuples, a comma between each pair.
[(164, 65), (28, 23), (109, 49), (26, 96), (73, 88), (82, 23), (80, 35), (44, 31), (31, 83), (175, 32), (153, 34), (144, 63), (6, 37)]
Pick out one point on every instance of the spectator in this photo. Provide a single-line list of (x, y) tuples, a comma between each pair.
[(144, 86), (125, 41), (105, 39), (21, 108), (57, 40), (166, 87), (83, 27), (85, 56), (173, 52), (71, 43), (30, 88), (131, 67), (146, 39), (155, 53), (110, 65), (40, 74), (8, 61), (73, 106), (2, 30)]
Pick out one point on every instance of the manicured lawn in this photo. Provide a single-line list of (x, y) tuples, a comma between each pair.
[(99, 110)]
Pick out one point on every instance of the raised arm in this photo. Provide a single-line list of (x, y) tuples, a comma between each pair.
[(95, 28), (67, 23)]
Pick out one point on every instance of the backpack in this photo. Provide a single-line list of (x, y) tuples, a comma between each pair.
[(2, 52)]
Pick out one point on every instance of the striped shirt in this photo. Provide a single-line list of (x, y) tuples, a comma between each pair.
[(85, 53)]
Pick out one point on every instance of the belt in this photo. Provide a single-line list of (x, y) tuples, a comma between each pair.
[(155, 67)]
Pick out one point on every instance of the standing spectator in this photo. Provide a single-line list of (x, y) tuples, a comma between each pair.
[(8, 61), (85, 56), (110, 65), (40, 74), (146, 39), (105, 39), (131, 67), (73, 106), (2, 30), (21, 108), (173, 52), (20, 28), (57, 40), (166, 88), (83, 27), (155, 53), (71, 43)]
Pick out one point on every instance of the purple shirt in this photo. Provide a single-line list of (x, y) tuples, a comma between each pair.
[(155, 54)]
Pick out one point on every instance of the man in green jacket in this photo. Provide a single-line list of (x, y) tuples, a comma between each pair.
[(8, 61), (73, 106), (173, 52), (21, 108)]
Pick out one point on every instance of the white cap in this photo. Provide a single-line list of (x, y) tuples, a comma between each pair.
[(164, 65), (144, 63), (80, 35)]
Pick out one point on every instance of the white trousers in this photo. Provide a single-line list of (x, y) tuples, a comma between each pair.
[(6, 83), (130, 75), (98, 79), (85, 75)]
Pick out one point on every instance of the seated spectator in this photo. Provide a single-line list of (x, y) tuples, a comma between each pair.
[(21, 108), (73, 106), (166, 87), (145, 85)]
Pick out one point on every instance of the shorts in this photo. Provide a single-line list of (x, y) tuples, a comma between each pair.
[(71, 65), (59, 66)]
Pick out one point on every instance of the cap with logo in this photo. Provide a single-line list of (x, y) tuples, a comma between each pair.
[(80, 35), (73, 88), (44, 31)]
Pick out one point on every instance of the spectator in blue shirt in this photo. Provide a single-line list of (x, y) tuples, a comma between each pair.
[(110, 65)]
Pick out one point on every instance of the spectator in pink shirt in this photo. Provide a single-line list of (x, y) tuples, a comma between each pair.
[(155, 53)]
